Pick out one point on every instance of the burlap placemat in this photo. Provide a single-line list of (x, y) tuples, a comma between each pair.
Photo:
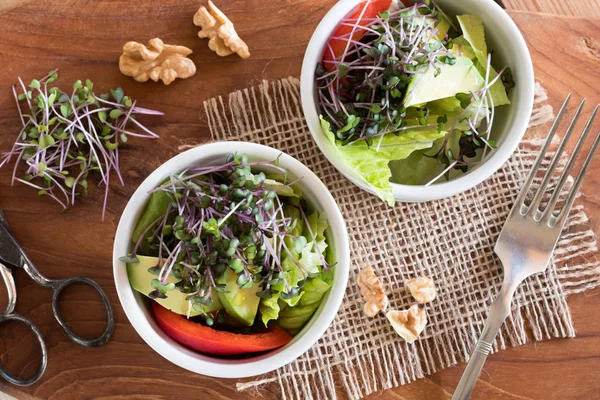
[(450, 240)]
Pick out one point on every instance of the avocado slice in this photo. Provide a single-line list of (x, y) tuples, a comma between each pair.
[(462, 77), (462, 48), (442, 26), (242, 304), (156, 207), (140, 279)]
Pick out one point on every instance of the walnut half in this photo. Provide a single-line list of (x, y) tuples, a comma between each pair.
[(215, 26), (156, 61), (422, 289), (408, 323), (372, 292)]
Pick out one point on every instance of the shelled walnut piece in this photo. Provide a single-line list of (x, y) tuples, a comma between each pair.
[(156, 61), (408, 323), (372, 292), (422, 289), (215, 25)]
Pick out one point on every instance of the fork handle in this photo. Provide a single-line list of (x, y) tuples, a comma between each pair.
[(499, 310)]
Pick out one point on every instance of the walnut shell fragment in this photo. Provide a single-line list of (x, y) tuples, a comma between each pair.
[(223, 39), (372, 292), (156, 61), (422, 289), (408, 323)]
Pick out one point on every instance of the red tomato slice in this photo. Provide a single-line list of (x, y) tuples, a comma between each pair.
[(365, 12), (212, 341)]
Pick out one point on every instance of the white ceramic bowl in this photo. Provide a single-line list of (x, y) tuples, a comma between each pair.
[(503, 38), (136, 305)]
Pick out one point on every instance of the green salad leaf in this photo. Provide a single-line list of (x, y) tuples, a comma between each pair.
[(452, 108), (309, 254), (371, 165), (314, 290), (415, 169), (474, 33), (423, 165), (269, 309), (293, 318), (462, 48)]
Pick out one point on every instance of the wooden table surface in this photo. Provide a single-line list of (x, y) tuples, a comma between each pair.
[(83, 39)]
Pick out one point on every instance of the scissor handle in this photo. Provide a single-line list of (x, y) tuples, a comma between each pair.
[(59, 286), (16, 380)]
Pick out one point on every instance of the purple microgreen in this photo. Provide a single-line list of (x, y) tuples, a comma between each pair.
[(363, 95), (222, 217), (67, 137)]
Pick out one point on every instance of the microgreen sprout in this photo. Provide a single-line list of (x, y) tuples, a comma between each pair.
[(224, 217), (67, 136), (363, 97)]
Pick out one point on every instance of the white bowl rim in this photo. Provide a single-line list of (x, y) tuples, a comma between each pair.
[(225, 368), (418, 193)]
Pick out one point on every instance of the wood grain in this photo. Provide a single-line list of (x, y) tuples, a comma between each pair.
[(83, 40), (574, 8)]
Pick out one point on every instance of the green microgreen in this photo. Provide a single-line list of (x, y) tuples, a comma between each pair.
[(219, 218), (362, 98), (68, 136)]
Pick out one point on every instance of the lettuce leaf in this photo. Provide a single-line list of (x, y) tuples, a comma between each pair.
[(314, 290), (371, 166), (473, 32), (416, 169), (450, 107), (422, 165), (318, 224), (312, 254), (269, 309), (309, 256), (293, 318)]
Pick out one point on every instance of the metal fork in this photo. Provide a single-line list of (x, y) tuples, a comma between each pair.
[(528, 238)]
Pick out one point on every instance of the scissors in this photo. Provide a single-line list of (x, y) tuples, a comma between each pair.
[(13, 256)]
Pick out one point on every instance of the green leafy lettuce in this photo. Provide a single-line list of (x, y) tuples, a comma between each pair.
[(306, 252), (293, 318), (370, 164)]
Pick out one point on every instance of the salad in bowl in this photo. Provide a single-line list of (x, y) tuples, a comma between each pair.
[(405, 94), (232, 255)]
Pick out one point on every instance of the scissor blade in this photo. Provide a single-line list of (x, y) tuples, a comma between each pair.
[(10, 250)]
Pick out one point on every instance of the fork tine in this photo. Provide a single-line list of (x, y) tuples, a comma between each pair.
[(539, 194), (564, 212), (547, 213), (519, 202)]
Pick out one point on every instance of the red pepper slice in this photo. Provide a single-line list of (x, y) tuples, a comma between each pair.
[(212, 341), (365, 12)]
